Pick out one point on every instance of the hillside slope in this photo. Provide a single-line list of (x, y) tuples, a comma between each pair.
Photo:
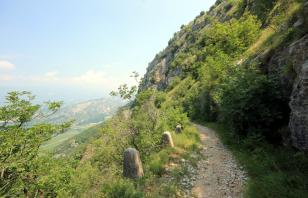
[(87, 112), (242, 65), (237, 65), (280, 50)]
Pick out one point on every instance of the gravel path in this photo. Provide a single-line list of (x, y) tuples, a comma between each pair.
[(218, 175)]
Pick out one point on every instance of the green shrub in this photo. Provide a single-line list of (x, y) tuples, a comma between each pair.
[(144, 127), (232, 37), (186, 61), (174, 82), (160, 97), (158, 161), (143, 96), (253, 103), (121, 189), (189, 139), (173, 116), (262, 8)]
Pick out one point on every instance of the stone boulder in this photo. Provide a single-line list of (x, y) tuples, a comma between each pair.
[(132, 165), (178, 128), (167, 139)]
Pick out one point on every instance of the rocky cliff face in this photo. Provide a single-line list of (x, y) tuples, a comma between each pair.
[(289, 62), (299, 97), (294, 80), (160, 73), (299, 105)]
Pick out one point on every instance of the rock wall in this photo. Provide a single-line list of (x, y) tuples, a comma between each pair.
[(299, 106), (299, 97), (291, 64)]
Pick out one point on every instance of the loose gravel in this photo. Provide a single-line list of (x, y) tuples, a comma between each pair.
[(217, 175)]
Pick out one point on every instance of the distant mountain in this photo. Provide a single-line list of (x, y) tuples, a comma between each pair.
[(87, 112)]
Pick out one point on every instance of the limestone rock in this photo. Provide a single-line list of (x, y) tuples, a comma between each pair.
[(132, 165), (178, 128), (298, 23), (167, 139), (295, 87), (299, 110)]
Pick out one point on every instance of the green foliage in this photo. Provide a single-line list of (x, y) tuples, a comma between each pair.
[(175, 81), (201, 106), (252, 103), (67, 143), (83, 179), (173, 116), (125, 92), (22, 170), (145, 128), (189, 139), (216, 69), (53, 176), (121, 189), (19, 109), (186, 61), (159, 99), (54, 106), (261, 8), (244, 98), (232, 37), (159, 160), (144, 96), (218, 46), (210, 60)]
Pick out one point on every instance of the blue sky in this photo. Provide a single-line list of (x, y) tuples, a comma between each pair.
[(75, 50)]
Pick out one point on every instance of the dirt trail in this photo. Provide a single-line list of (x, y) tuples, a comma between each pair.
[(218, 175)]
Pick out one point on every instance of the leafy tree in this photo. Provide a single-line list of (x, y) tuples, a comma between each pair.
[(126, 92), (20, 141), (252, 103), (232, 37)]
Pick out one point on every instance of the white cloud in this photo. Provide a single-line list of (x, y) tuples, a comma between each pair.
[(51, 74), (6, 77), (91, 79), (6, 65)]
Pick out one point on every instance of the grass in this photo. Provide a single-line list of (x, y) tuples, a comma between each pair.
[(159, 160), (189, 139), (274, 171), (273, 36), (122, 188), (68, 137), (167, 162), (186, 143)]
